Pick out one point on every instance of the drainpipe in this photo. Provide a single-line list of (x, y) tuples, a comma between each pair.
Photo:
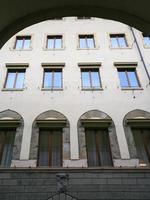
[(140, 53)]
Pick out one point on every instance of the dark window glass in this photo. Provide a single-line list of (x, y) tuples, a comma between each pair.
[(23, 42), (98, 147), (142, 143), (50, 148), (128, 78), (90, 78), (83, 17), (118, 41), (52, 79), (86, 41), (6, 147), (54, 42), (15, 79)]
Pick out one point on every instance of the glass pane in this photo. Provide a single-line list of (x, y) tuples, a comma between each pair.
[(95, 79), (122, 41), (114, 42), (10, 80), (20, 80), (147, 41), (27, 43), (57, 80), (85, 80), (44, 148), (47, 79), (123, 79), (82, 43), (90, 42), (133, 79), (58, 43), (50, 43), (56, 148), (19, 43)]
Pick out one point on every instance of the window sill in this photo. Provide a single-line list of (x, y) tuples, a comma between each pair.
[(13, 89), (96, 48), (92, 89), (61, 49), (138, 88), (120, 48), (146, 47), (51, 89), (18, 50)]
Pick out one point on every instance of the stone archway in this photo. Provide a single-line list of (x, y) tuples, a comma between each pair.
[(53, 118), (100, 119)]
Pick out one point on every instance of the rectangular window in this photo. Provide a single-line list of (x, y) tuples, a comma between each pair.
[(90, 78), (23, 42), (146, 39), (86, 41), (52, 79), (142, 143), (15, 79), (6, 147), (98, 147), (118, 41), (54, 42), (50, 148), (128, 78)]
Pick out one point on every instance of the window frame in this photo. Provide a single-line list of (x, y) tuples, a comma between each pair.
[(90, 67), (128, 44), (23, 36), (87, 34), (54, 35), (125, 68), (16, 67), (53, 69)]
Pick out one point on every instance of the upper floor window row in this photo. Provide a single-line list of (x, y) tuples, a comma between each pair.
[(85, 41), (90, 77)]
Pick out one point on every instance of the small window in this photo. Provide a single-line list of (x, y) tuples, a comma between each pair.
[(23, 42), (146, 39), (15, 79), (50, 148), (118, 41), (90, 78), (98, 147), (6, 147), (54, 42), (128, 78), (86, 41), (52, 79), (83, 17)]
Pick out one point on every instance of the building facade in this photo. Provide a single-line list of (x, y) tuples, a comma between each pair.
[(75, 94)]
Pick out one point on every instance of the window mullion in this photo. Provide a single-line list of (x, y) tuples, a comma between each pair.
[(90, 76), (14, 86), (53, 77), (128, 78)]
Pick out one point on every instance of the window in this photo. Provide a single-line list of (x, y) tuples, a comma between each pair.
[(90, 78), (128, 78), (83, 17), (50, 148), (146, 39), (98, 147), (52, 79), (23, 42), (142, 143), (54, 42), (15, 79), (118, 41), (86, 41), (6, 147)]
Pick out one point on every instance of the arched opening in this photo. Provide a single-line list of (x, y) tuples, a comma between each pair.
[(11, 132), (137, 131), (50, 140), (97, 139)]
